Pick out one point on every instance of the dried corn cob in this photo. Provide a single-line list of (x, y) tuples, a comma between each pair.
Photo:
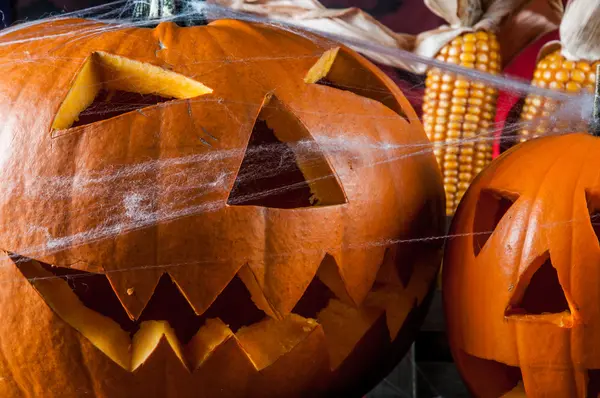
[(458, 114), (555, 72)]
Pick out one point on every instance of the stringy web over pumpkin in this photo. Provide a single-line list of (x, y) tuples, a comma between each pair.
[(268, 156), (272, 170)]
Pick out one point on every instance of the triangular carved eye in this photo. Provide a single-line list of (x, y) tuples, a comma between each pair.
[(491, 207), (338, 69), (593, 205), (539, 293), (108, 85), (283, 166)]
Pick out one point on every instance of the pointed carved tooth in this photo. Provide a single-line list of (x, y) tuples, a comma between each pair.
[(251, 282), (398, 301), (396, 304), (210, 336), (329, 274), (290, 263), (283, 281), (226, 373), (344, 326), (358, 268), (149, 336), (388, 273), (270, 339), (201, 284), (134, 288), (374, 346)]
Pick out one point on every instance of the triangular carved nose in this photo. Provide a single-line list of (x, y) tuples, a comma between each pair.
[(283, 166)]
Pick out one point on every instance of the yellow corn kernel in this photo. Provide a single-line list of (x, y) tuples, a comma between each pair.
[(557, 73), (459, 111)]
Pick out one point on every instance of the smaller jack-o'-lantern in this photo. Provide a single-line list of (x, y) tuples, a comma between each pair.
[(520, 280)]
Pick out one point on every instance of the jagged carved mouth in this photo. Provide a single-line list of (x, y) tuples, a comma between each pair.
[(87, 302)]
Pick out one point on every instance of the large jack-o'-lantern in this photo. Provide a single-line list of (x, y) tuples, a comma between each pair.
[(520, 280), (206, 212)]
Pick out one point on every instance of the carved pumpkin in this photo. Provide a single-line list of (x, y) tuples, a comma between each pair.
[(209, 211), (519, 280)]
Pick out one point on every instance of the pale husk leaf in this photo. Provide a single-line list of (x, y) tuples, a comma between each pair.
[(580, 30), (458, 13), (539, 17), (463, 16)]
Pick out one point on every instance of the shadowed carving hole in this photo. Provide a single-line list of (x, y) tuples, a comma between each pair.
[(283, 166), (167, 303), (543, 294), (233, 305), (491, 208), (340, 70), (95, 292), (383, 96), (593, 386), (269, 175), (593, 205), (109, 104), (115, 74), (315, 298)]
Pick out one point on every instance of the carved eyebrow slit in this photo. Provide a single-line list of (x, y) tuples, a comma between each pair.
[(492, 206), (340, 70), (103, 75)]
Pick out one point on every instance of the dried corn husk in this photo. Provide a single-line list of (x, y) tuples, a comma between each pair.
[(531, 20), (463, 16), (580, 31)]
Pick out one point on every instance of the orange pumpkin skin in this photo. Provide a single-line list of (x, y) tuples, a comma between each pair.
[(126, 201), (521, 270)]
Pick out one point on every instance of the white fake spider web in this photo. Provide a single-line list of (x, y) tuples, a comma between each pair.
[(134, 182)]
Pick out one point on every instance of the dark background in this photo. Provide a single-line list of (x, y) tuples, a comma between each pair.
[(391, 12)]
